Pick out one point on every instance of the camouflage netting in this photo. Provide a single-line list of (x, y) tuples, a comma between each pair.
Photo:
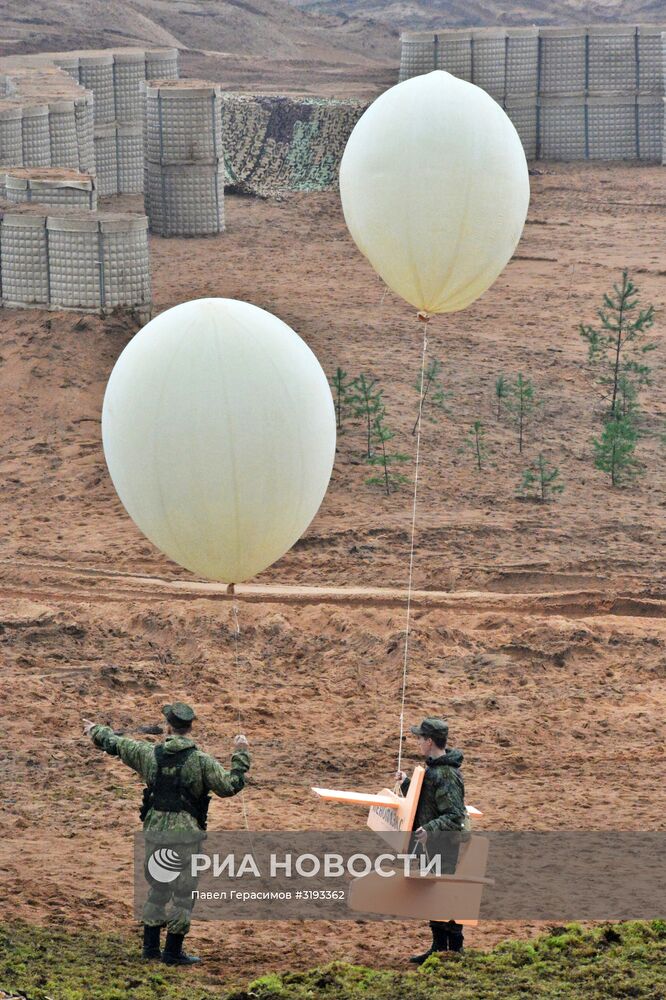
[(277, 144)]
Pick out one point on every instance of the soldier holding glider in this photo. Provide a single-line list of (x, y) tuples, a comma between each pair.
[(440, 809)]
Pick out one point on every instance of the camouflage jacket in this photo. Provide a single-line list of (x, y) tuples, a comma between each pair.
[(441, 803), (201, 774)]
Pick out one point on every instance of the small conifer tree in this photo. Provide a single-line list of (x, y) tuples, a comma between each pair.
[(391, 480), (366, 402), (540, 480), (521, 403), (502, 391), (434, 393), (341, 386), (627, 397), (475, 443), (616, 352), (614, 450)]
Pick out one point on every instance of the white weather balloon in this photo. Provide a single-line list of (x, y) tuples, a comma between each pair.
[(219, 433), (435, 190)]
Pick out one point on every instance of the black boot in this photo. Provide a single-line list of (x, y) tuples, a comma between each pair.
[(454, 933), (173, 953), (441, 940), (151, 942), (420, 959), (436, 945)]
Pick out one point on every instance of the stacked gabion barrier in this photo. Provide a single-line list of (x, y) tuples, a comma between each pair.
[(115, 79), (277, 144), (562, 62), (98, 261), (69, 65), (11, 135), (572, 93), (270, 144), (162, 64), (419, 55), (24, 270), (117, 83), (521, 78), (663, 72), (651, 51), (96, 74), (129, 74), (73, 259), (58, 133), (49, 186), (501, 60), (489, 51), (119, 158), (46, 121), (63, 140), (36, 151), (453, 57), (184, 164), (85, 131), (43, 135)]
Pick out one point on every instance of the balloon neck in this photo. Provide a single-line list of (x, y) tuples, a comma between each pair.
[(231, 589), (424, 316)]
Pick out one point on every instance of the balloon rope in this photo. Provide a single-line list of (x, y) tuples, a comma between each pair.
[(423, 318), (234, 606)]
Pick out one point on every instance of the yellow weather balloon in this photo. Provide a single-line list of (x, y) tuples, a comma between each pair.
[(435, 190), (219, 433)]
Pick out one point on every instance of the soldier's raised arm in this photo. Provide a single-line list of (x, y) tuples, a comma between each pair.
[(137, 754), (222, 782)]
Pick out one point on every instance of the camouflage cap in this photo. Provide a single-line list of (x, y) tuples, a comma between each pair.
[(435, 729), (179, 711)]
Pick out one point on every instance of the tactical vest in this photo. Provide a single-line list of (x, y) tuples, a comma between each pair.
[(167, 793)]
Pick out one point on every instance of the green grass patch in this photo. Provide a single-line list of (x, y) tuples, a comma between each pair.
[(611, 961)]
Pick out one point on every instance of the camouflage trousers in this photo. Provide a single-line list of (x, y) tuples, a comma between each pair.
[(169, 904)]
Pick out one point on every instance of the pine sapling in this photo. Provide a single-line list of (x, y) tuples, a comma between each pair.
[(616, 351), (389, 479), (434, 393), (366, 402), (475, 443), (540, 480), (614, 450), (341, 386), (627, 397), (521, 403), (502, 391)]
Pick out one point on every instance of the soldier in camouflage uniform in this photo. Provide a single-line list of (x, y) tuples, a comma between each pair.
[(179, 778), (440, 809)]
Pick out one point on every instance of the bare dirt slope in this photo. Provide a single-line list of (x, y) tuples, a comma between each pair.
[(426, 14), (263, 44), (549, 657)]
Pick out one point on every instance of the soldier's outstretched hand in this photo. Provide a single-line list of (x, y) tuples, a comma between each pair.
[(241, 741), (400, 776), (87, 726)]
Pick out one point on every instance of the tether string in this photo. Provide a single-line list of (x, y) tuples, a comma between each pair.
[(424, 318), (234, 607)]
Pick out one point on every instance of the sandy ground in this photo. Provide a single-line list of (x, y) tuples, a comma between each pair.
[(316, 74), (548, 655)]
